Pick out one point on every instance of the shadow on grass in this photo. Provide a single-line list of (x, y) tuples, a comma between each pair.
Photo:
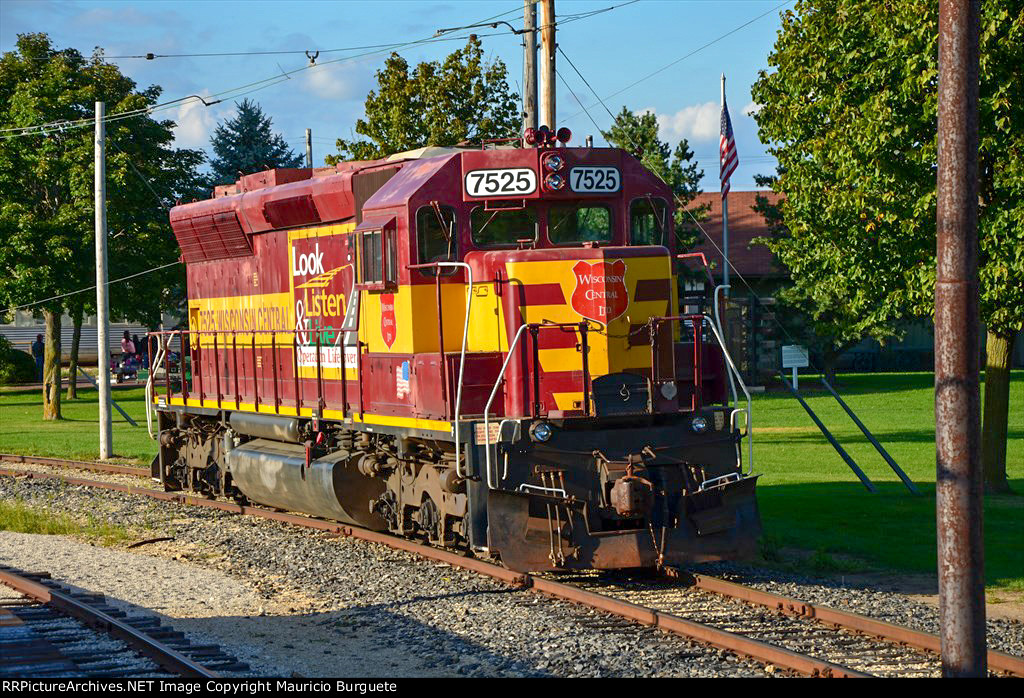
[(884, 437), (866, 384), (890, 530)]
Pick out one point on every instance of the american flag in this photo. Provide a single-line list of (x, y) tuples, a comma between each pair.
[(727, 155), (402, 380)]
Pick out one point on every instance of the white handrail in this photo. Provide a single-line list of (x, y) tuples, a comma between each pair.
[(487, 407), (718, 323), (739, 380), (462, 358), (161, 355)]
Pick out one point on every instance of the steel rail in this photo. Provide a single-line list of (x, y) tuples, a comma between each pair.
[(755, 649), (761, 651), (164, 656), (78, 464), (999, 661)]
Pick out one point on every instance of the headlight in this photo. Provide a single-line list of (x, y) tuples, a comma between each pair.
[(541, 431), (554, 182), (668, 390), (554, 163), (699, 425)]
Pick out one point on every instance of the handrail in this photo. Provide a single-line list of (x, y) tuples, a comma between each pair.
[(487, 407), (750, 403), (532, 326), (718, 323), (163, 345), (462, 357)]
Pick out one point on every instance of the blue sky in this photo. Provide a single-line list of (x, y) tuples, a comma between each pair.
[(612, 50)]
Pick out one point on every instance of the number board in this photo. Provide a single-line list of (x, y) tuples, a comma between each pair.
[(594, 180), (509, 182)]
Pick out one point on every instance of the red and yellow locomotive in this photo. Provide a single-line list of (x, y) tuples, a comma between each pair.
[(483, 347)]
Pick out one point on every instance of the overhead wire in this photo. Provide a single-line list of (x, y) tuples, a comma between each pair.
[(680, 202)]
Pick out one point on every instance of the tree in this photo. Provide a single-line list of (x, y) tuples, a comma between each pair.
[(850, 106), (245, 143), (638, 134), (462, 99), (46, 189)]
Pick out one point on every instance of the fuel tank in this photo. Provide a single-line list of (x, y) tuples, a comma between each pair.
[(275, 474)]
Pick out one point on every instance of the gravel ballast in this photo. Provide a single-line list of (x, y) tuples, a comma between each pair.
[(289, 600), (339, 606)]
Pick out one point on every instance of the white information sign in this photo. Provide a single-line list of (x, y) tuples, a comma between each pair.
[(795, 356)]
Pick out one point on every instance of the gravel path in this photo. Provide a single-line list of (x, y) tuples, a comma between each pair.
[(341, 606)]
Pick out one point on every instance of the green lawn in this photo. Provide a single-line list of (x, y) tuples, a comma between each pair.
[(23, 431), (809, 498)]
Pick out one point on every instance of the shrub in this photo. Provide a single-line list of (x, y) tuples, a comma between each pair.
[(15, 366)]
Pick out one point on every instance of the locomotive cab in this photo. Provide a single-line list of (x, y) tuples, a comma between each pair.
[(486, 348)]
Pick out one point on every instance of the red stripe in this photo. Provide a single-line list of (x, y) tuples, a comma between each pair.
[(541, 294)]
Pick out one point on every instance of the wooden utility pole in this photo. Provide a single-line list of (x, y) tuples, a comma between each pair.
[(102, 320), (529, 64), (309, 148), (958, 483), (547, 63)]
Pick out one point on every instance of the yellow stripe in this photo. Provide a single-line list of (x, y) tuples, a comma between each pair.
[(378, 419)]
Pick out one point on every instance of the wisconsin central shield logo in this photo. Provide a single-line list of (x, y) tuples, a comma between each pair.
[(388, 324), (600, 290)]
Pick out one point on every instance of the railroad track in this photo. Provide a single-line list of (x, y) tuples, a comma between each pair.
[(92, 466), (56, 631), (876, 648), (788, 634)]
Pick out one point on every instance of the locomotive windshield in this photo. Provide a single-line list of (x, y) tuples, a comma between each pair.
[(573, 224), (503, 227)]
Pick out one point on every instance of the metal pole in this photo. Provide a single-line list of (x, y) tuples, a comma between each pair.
[(958, 484), (102, 306), (309, 148), (529, 64), (547, 63), (725, 222)]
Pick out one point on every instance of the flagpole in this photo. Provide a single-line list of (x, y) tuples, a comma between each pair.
[(725, 220)]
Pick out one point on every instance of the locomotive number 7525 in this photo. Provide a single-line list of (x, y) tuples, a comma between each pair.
[(517, 181)]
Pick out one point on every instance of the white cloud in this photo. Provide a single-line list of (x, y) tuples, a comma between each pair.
[(195, 124), (752, 109), (698, 122), (339, 81)]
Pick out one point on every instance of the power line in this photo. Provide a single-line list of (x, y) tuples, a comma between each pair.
[(230, 93), (678, 60), (678, 199), (90, 288)]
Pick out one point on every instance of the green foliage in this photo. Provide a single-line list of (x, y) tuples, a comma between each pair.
[(638, 134), (850, 106), (46, 183), (245, 143), (16, 366), (462, 99)]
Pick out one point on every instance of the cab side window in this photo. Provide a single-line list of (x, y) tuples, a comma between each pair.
[(437, 238), (648, 221)]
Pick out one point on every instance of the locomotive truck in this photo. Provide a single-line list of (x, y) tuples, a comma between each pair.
[(483, 347)]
